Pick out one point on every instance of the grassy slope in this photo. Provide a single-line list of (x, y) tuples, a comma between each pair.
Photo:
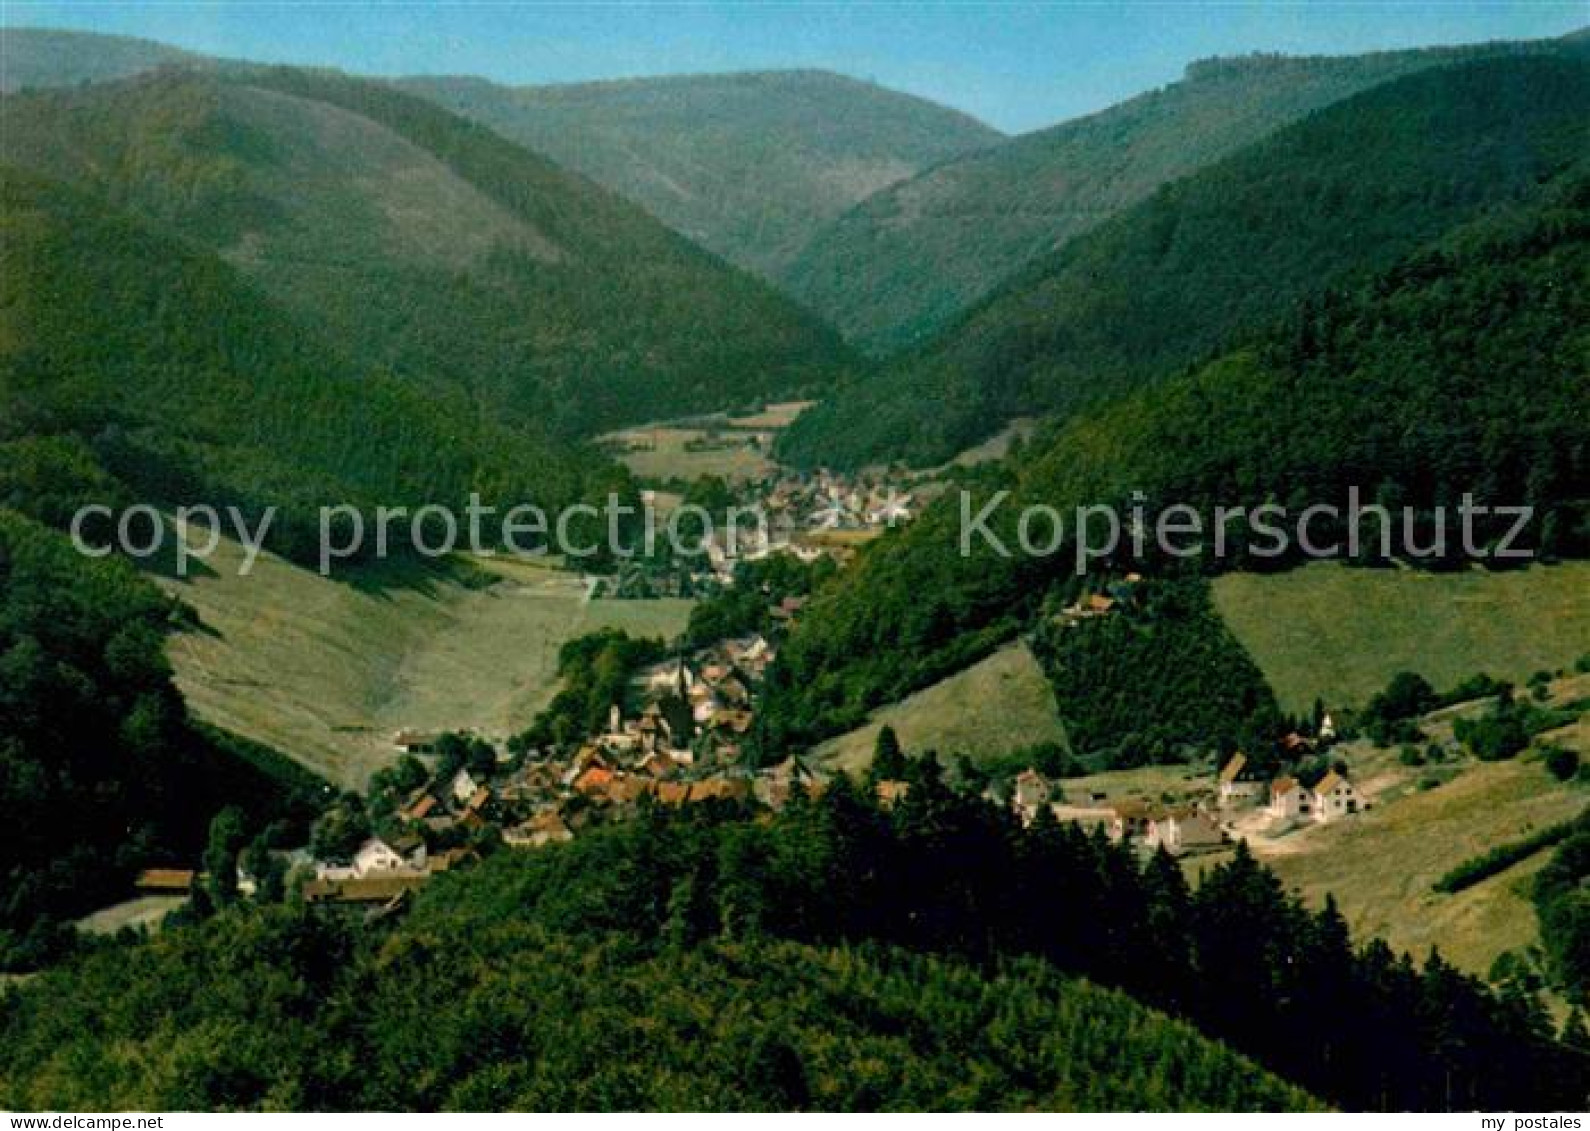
[(1000, 704), (1381, 866), (660, 450), (325, 671), (748, 165), (1340, 634)]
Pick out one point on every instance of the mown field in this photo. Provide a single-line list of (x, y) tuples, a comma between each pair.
[(326, 670), (1340, 634), (998, 705), (689, 450), (1381, 866)]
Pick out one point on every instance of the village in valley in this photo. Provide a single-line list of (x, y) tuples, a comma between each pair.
[(681, 728), (686, 743)]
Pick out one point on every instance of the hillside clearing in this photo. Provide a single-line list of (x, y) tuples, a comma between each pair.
[(998, 705), (1340, 633), (326, 670), (734, 448)]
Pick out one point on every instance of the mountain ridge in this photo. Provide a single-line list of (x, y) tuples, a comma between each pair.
[(429, 245), (746, 163), (1222, 250), (901, 265)]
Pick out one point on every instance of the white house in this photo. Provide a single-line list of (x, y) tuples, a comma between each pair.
[(375, 856), (1031, 791), (1334, 796), (463, 787), (1238, 785), (1289, 799)]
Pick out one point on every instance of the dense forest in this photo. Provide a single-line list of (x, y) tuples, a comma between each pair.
[(513, 1017), (1161, 676), (1459, 371), (189, 385), (836, 955), (101, 769), (1209, 258), (903, 263), (427, 246)]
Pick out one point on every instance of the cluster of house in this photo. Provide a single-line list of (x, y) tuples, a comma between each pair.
[(685, 746), (697, 707), (1176, 828), (809, 516), (825, 500), (1204, 823), (382, 870), (1285, 798)]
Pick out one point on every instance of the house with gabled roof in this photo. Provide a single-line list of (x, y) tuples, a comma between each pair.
[(1183, 829), (421, 804), (546, 827), (1289, 799), (1335, 796), (462, 787), (1238, 784), (1131, 820)]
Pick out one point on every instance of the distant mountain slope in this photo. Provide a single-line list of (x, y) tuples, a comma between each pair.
[(428, 246), (908, 259), (748, 165), (1462, 369), (1230, 247), (189, 383), (45, 57)]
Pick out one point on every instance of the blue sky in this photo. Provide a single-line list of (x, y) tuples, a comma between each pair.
[(1015, 65)]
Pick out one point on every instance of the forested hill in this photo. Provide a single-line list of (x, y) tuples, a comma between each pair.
[(513, 1018), (426, 245), (905, 261), (749, 165), (101, 770), (1461, 370), (835, 956), (31, 58), (1226, 249), (190, 385)]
